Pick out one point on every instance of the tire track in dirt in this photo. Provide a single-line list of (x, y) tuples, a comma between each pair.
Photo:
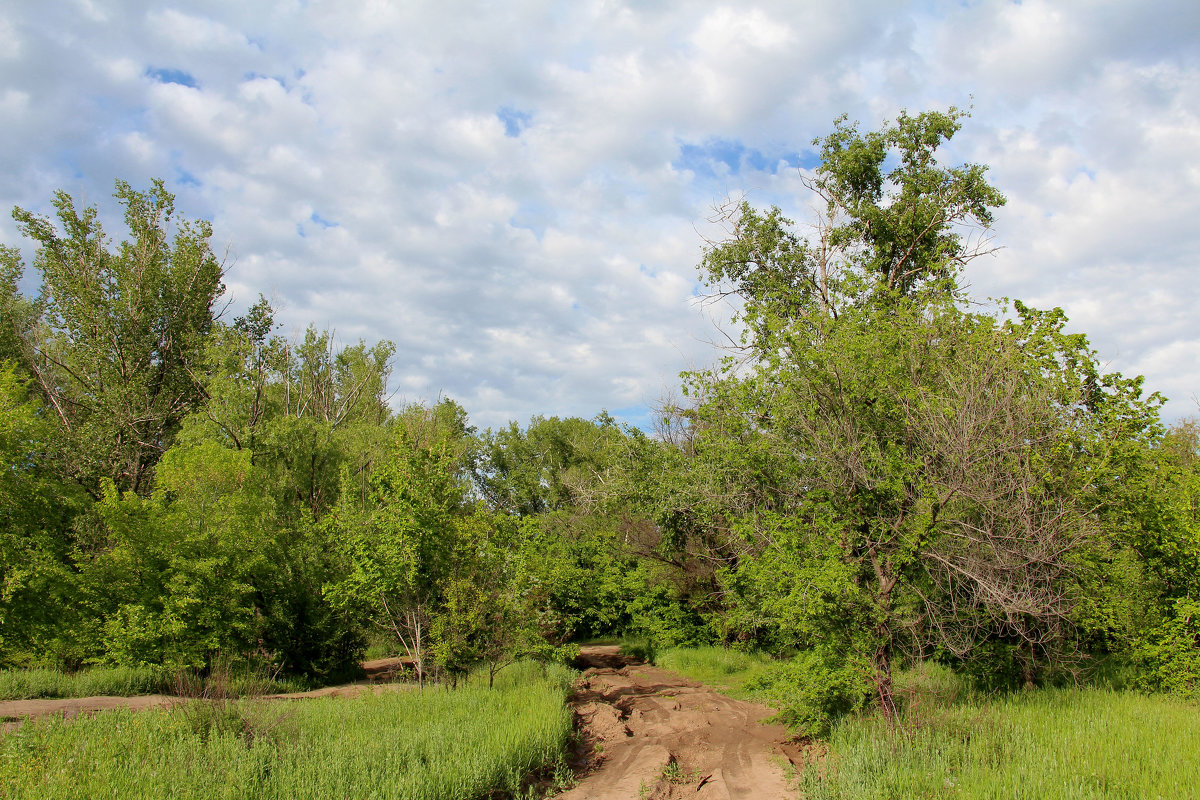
[(656, 735)]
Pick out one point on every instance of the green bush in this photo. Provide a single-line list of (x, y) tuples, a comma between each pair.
[(1168, 657), (814, 689)]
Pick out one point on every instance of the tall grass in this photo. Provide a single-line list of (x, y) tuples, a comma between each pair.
[(1049, 744), (431, 745), (39, 682), (718, 667)]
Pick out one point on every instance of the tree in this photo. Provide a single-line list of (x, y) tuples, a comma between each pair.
[(903, 471), (410, 530), (176, 582), (893, 222), (550, 465), (18, 315), (303, 409), (115, 350), (36, 508)]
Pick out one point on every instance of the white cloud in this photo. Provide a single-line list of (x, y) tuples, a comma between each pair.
[(355, 159), (192, 32)]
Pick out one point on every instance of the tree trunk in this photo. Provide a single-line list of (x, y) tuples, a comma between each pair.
[(882, 664)]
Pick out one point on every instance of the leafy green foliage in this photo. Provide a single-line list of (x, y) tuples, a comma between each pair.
[(175, 584), (814, 689), (901, 472), (410, 535), (36, 507), (121, 330), (1168, 655), (551, 465)]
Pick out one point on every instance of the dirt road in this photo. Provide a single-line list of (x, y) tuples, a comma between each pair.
[(656, 735)]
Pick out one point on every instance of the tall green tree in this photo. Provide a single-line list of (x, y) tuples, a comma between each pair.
[(176, 580), (410, 530), (116, 348), (904, 472), (302, 408), (550, 465)]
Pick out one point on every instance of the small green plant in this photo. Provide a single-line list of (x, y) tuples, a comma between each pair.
[(675, 774)]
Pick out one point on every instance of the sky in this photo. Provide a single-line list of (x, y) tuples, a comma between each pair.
[(517, 193)]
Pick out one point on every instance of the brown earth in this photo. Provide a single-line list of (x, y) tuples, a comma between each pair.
[(14, 712), (653, 734)]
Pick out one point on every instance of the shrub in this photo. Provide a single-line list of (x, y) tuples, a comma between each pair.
[(1169, 655), (814, 689)]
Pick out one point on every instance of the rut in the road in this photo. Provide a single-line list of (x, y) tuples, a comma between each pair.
[(657, 735)]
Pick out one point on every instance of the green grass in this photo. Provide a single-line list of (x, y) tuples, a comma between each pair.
[(39, 682), (29, 684), (719, 667), (430, 745), (1049, 744)]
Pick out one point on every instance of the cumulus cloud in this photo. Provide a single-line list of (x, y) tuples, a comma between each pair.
[(517, 196)]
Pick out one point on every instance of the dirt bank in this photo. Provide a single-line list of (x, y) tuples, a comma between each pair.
[(654, 734)]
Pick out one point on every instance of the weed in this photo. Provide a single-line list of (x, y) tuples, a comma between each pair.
[(675, 774)]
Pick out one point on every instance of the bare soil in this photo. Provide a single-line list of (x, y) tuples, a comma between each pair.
[(648, 733)]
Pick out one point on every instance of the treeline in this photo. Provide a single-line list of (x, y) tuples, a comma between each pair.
[(177, 488), (879, 472)]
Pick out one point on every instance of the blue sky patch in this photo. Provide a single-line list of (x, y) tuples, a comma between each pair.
[(185, 178), (172, 76), (534, 217), (639, 416), (324, 223), (514, 121), (703, 159)]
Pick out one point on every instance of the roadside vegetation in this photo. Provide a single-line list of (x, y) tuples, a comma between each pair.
[(45, 683), (879, 469), (431, 745), (1045, 743)]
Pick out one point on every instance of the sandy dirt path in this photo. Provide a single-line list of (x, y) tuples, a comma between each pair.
[(14, 712), (656, 735)]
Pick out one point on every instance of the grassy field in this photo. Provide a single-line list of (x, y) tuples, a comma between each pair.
[(432, 745), (36, 683), (1048, 744)]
